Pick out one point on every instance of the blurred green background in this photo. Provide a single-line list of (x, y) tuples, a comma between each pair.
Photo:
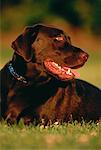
[(80, 19)]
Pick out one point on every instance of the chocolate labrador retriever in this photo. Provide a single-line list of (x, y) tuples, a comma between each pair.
[(39, 82)]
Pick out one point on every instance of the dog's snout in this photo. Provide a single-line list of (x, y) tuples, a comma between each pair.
[(84, 56)]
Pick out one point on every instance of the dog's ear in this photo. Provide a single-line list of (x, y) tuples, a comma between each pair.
[(22, 45)]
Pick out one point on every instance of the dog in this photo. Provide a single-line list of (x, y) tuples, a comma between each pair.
[(39, 82)]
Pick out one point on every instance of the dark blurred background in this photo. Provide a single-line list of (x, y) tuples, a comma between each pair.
[(81, 19), (79, 13)]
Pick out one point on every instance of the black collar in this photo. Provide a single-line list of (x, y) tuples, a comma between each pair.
[(16, 75)]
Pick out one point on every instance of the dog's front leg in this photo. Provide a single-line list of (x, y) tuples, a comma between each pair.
[(12, 113)]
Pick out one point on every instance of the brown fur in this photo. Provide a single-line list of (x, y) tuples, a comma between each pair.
[(46, 97)]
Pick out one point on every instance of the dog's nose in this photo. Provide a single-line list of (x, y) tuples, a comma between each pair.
[(84, 56)]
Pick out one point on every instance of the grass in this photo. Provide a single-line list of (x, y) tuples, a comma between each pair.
[(71, 136)]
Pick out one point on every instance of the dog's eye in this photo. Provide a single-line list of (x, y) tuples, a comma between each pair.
[(59, 39)]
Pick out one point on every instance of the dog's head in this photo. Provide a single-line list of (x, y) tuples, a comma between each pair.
[(48, 52)]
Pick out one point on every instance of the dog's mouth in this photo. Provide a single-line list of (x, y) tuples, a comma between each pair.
[(63, 73)]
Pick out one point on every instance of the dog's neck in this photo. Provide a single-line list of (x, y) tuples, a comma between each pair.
[(15, 74), (18, 68)]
